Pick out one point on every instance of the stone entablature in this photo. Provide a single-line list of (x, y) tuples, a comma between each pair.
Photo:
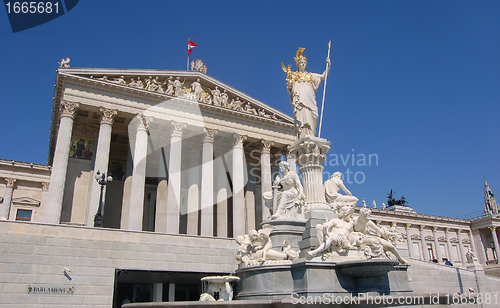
[(22, 171), (485, 222), (23, 186), (420, 219)]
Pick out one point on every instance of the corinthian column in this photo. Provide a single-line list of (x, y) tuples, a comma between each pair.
[(174, 177), (207, 183), (136, 207), (462, 248), (424, 243), (238, 186), (495, 241), (67, 110), (7, 199), (193, 198), (448, 243), (436, 243), (266, 174), (310, 155), (101, 161), (408, 241)]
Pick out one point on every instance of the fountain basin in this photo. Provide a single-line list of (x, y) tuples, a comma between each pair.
[(366, 268)]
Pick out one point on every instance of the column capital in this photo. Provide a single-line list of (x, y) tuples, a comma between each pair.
[(143, 122), (209, 134), (265, 146), (421, 227), (378, 222), (107, 115), (492, 228), (446, 230), (45, 186), (10, 182), (407, 226), (393, 224), (434, 229), (238, 140), (68, 109), (177, 128)]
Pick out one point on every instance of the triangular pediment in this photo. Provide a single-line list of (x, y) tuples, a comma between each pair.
[(189, 85), (429, 238), (26, 201)]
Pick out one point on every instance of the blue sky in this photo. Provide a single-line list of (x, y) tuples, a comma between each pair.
[(415, 82)]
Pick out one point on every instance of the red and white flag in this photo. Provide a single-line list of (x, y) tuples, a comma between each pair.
[(191, 45)]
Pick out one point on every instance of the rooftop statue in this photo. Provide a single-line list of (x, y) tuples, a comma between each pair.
[(64, 62), (392, 201), (332, 195), (302, 87)]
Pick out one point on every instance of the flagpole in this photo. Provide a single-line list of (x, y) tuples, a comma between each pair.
[(324, 91), (187, 66)]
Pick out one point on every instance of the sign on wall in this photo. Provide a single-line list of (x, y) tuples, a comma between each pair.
[(51, 289)]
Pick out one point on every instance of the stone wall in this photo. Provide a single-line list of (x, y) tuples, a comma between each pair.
[(427, 278), (36, 254)]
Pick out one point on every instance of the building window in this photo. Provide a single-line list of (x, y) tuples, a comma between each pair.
[(23, 215)]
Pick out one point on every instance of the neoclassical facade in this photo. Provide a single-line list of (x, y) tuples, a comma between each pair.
[(191, 158), (164, 152)]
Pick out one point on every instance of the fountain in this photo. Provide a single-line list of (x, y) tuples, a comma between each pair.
[(312, 244)]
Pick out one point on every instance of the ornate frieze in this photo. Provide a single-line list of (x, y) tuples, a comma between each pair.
[(177, 128), (209, 134), (68, 109), (192, 91), (108, 115)]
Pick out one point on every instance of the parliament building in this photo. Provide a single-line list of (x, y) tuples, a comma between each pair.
[(190, 159)]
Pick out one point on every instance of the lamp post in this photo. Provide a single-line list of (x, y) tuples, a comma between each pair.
[(99, 216)]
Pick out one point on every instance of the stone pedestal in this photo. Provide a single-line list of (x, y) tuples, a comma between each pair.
[(265, 282), (313, 218), (286, 229), (310, 153)]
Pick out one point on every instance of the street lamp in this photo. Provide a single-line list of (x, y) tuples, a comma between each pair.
[(99, 216)]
